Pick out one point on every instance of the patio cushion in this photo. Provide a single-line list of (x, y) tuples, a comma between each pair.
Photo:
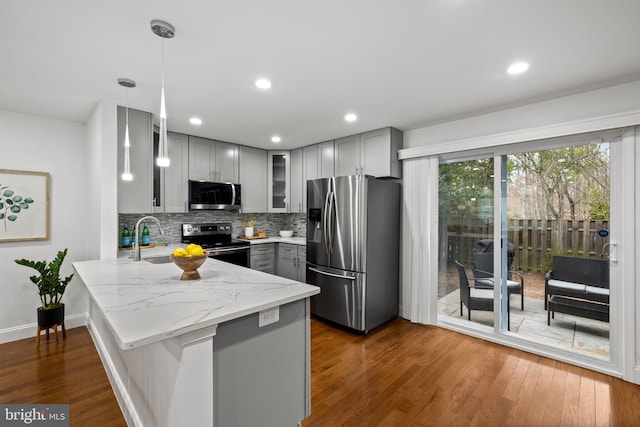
[(597, 290), (489, 282), (481, 293), (567, 285)]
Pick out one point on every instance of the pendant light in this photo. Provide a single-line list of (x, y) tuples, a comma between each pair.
[(126, 172), (163, 30)]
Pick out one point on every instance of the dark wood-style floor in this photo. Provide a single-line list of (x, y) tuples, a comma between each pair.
[(67, 372), (400, 374)]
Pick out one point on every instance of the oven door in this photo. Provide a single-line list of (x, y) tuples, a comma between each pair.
[(235, 255)]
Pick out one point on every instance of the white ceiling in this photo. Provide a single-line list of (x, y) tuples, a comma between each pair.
[(405, 63)]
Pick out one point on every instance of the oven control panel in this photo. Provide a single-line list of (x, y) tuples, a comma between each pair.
[(206, 229)]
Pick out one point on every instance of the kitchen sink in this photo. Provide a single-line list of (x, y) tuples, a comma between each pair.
[(162, 259)]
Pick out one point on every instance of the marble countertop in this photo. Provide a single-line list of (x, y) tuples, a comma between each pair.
[(293, 240), (145, 303)]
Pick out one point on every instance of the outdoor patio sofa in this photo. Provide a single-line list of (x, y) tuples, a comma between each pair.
[(577, 286)]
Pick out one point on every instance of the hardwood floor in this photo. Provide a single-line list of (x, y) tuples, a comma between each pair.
[(401, 374), (68, 372)]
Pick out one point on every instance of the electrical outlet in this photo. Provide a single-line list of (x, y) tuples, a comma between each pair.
[(268, 317)]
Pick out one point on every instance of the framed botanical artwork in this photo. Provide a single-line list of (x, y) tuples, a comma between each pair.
[(24, 205)]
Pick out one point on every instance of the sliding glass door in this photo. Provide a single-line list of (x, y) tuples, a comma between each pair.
[(525, 237)]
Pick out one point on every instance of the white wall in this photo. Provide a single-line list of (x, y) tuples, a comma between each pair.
[(103, 186), (58, 147), (541, 115)]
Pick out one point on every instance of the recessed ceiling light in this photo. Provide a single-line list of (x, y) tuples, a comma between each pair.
[(275, 138), (263, 83), (517, 68), (195, 121), (351, 117)]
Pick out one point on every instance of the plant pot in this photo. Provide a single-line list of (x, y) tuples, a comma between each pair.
[(50, 317)]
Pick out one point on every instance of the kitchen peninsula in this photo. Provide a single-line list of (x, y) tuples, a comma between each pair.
[(231, 348)]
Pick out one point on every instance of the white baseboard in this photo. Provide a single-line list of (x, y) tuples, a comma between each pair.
[(637, 374), (27, 331)]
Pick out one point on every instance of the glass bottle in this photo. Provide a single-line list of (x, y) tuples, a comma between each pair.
[(145, 239), (125, 237)]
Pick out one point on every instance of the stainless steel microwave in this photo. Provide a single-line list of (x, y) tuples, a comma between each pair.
[(214, 195)]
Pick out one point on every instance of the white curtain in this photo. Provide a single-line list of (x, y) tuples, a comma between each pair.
[(419, 240)]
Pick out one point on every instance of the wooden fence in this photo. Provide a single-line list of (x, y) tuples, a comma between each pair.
[(534, 240)]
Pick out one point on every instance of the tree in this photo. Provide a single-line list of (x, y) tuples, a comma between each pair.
[(561, 182)]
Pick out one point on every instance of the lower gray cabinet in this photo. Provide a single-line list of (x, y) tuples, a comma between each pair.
[(262, 257), (262, 374), (291, 261)]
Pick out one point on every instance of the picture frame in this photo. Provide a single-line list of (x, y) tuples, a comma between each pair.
[(24, 205)]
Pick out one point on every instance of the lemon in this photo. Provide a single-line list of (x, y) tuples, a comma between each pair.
[(196, 251), (180, 252), (190, 246)]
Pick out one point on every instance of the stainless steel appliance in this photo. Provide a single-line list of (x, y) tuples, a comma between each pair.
[(214, 195), (353, 235), (215, 237)]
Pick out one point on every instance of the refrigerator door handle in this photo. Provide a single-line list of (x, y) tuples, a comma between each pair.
[(339, 276), (332, 198), (324, 223)]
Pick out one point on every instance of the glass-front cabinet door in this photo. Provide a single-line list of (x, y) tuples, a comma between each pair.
[(278, 190)]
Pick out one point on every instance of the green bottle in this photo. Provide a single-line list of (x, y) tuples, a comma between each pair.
[(133, 236), (125, 237), (145, 235)]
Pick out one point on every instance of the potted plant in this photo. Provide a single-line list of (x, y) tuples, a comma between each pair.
[(51, 287)]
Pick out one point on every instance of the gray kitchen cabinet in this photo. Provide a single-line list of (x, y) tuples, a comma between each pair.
[(291, 261), (372, 153), (262, 257), (298, 183), (202, 158), (326, 159), (227, 166), (211, 160), (135, 196), (278, 181), (347, 151), (318, 162), (175, 177), (253, 179), (261, 375), (301, 264)]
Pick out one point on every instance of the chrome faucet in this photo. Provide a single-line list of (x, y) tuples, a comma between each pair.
[(136, 246)]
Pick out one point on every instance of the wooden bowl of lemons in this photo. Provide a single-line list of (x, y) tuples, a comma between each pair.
[(189, 259)]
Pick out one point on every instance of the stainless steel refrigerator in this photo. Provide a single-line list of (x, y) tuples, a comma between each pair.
[(353, 235)]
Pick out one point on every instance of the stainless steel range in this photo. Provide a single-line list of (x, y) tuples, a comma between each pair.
[(215, 237)]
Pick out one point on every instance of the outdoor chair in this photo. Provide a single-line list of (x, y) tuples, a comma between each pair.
[(475, 298), (483, 273)]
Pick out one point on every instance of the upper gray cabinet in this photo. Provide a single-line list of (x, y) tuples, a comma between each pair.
[(298, 183), (317, 162), (348, 159), (253, 179), (175, 177), (135, 196), (227, 165), (372, 153), (211, 160), (326, 159)]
